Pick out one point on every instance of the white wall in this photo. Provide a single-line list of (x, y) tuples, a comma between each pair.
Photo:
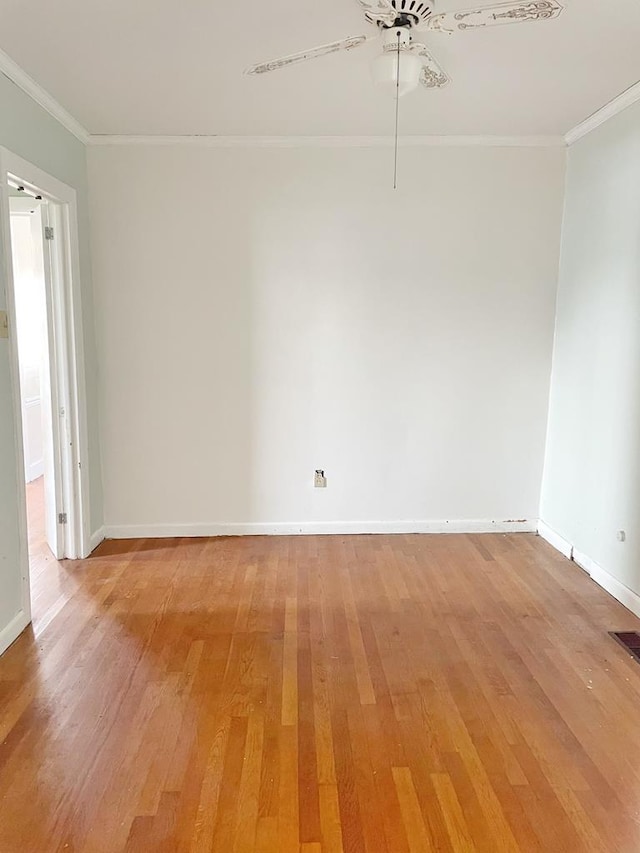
[(265, 312), (29, 131), (592, 470), (31, 328)]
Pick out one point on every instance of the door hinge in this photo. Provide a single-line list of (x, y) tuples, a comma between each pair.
[(48, 232), (62, 518)]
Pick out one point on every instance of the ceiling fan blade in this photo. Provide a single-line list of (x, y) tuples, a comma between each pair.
[(379, 11), (490, 16), (313, 53), (432, 75)]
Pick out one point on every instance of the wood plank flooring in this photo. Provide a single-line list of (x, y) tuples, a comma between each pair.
[(47, 576), (370, 694)]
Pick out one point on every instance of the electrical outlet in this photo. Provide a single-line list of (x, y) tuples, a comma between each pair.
[(320, 481), (621, 536)]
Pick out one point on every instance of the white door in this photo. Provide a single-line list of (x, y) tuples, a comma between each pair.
[(52, 406)]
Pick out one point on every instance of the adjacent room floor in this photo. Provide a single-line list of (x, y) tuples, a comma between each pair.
[(386, 694), (47, 575)]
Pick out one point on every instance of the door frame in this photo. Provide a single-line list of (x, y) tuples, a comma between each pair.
[(68, 360)]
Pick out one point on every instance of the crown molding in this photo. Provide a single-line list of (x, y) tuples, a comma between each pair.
[(617, 105), (28, 85), (23, 81), (204, 141)]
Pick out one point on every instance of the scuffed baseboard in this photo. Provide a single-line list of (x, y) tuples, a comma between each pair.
[(310, 528), (602, 577), (613, 586)]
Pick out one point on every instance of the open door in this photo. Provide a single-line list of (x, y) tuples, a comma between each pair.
[(52, 485), (54, 390)]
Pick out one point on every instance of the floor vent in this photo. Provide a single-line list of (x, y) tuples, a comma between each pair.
[(630, 640)]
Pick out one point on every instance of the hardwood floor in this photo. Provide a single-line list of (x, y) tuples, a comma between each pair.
[(389, 694), (47, 575)]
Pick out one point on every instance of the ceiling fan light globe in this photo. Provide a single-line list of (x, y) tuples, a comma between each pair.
[(384, 70)]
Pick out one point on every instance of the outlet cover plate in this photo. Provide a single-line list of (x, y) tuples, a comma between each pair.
[(320, 481)]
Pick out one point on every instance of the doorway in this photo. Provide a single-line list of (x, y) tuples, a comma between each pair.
[(27, 217), (41, 275)]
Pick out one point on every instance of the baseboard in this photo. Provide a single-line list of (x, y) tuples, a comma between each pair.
[(613, 586), (310, 528), (35, 471), (12, 631), (554, 539), (96, 538)]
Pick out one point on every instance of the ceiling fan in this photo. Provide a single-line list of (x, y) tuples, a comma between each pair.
[(404, 63)]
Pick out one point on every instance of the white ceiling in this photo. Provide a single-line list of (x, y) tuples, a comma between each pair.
[(173, 68)]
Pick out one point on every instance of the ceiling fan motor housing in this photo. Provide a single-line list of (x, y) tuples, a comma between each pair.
[(397, 38), (412, 12)]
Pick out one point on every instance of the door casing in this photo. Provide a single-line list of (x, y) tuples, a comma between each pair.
[(66, 355)]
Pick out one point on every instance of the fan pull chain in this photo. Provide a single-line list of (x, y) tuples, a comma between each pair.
[(395, 156)]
